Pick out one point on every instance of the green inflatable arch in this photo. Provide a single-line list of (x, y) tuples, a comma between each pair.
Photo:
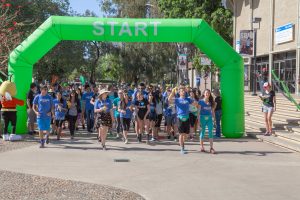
[(197, 31)]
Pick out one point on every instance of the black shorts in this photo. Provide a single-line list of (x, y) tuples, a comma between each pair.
[(193, 119), (125, 123), (141, 115), (184, 127), (158, 120), (152, 116), (59, 123)]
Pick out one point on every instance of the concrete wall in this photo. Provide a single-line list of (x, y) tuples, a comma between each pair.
[(285, 11)]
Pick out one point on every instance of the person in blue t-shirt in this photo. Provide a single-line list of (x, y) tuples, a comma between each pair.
[(207, 106), (125, 107), (60, 109), (116, 112), (88, 107), (104, 116), (182, 107), (142, 89), (43, 107)]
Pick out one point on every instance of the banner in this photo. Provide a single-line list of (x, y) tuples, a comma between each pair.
[(246, 42)]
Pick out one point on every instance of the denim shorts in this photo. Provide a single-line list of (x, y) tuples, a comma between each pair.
[(267, 109)]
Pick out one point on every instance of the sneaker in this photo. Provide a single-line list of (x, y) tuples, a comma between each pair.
[(182, 151), (267, 133), (126, 141), (104, 147), (169, 137), (153, 139), (42, 143)]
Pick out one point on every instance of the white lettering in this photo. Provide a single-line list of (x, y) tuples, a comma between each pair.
[(99, 28), (155, 27), (112, 27), (125, 29), (140, 26)]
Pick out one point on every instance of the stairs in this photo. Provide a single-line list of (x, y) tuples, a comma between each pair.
[(286, 122)]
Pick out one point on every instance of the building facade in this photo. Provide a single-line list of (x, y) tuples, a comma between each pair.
[(276, 23)]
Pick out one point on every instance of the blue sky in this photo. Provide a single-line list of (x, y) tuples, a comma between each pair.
[(81, 6)]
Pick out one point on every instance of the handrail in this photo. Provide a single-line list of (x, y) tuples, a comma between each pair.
[(286, 91)]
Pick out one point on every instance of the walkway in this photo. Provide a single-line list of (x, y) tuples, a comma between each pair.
[(242, 169)]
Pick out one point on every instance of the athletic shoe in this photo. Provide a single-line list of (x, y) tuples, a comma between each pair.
[(153, 139), (169, 137), (126, 141), (104, 147), (42, 143), (182, 151)]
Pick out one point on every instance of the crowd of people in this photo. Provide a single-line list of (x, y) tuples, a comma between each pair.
[(104, 108)]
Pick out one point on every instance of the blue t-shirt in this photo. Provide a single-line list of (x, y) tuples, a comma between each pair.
[(100, 104), (116, 103), (205, 108), (145, 94), (130, 92), (86, 97), (128, 113), (59, 115), (152, 107), (169, 109), (182, 106), (45, 104)]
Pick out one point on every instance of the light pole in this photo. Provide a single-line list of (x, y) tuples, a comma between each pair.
[(255, 20), (187, 65)]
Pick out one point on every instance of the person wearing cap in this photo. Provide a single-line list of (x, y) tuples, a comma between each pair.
[(43, 107), (104, 115), (269, 106)]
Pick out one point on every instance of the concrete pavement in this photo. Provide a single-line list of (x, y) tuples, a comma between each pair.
[(242, 169)]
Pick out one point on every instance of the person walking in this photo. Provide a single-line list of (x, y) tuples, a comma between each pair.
[(31, 116), (60, 109), (193, 114), (88, 107), (43, 108), (125, 108), (142, 110), (152, 116), (269, 106), (207, 114), (182, 108), (218, 112), (159, 112), (73, 110), (104, 116)]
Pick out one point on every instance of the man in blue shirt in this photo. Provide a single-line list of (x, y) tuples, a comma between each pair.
[(182, 107), (43, 107), (88, 107), (141, 88)]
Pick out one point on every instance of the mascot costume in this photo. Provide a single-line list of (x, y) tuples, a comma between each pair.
[(8, 91)]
